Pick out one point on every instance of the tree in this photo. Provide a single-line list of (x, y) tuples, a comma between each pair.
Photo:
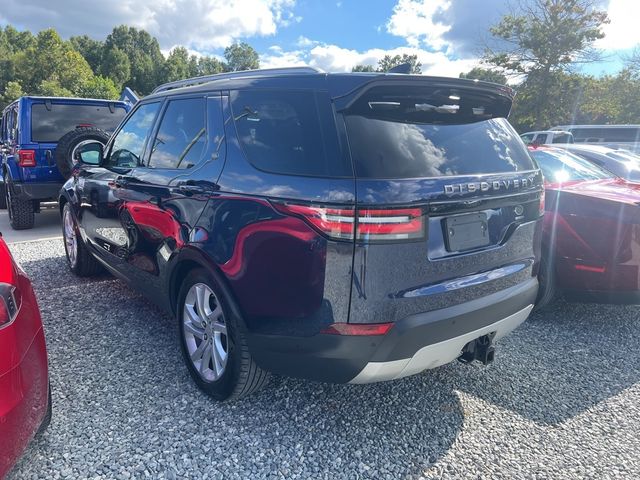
[(100, 87), (115, 65), (177, 66), (90, 49), (388, 62), (485, 74), (542, 40), (210, 66), (12, 91), (241, 56), (363, 68)]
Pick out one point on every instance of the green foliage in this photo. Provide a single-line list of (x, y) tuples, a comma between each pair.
[(90, 49), (388, 62), (178, 65), (241, 56), (541, 41), (12, 91), (100, 87), (485, 74), (116, 66)]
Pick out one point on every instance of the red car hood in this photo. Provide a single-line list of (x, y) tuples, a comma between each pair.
[(617, 190)]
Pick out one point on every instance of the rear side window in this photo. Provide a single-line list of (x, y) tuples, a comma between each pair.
[(181, 137), (559, 166), (563, 138), (289, 132), (426, 132), (48, 126), (595, 134)]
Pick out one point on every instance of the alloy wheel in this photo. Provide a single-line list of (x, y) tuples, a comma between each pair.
[(205, 332), (70, 237)]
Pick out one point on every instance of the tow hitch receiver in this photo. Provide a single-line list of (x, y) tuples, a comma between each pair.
[(480, 349)]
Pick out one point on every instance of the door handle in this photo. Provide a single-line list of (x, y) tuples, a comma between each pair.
[(192, 187)]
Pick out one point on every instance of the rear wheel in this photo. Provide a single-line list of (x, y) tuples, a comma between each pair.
[(214, 347), (21, 213), (3, 196), (81, 262)]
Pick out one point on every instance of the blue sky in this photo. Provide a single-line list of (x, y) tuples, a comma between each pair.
[(335, 35)]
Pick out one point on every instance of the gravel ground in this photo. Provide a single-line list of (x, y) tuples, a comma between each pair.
[(562, 400)]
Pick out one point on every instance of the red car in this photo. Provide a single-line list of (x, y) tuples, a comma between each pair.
[(25, 398), (591, 232)]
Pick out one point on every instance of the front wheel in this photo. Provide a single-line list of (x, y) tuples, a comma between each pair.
[(213, 346), (80, 261)]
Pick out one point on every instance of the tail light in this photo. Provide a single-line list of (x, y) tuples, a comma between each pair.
[(9, 299), (542, 199), (368, 225), (27, 158), (357, 328)]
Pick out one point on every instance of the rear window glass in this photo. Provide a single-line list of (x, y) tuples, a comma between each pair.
[(288, 132), (49, 125), (563, 138), (560, 166), (432, 132), (595, 134)]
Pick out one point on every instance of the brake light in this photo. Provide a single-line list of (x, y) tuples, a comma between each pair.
[(27, 158), (542, 199), (8, 303), (357, 328), (371, 225)]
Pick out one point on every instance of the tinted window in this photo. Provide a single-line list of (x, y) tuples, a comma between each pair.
[(560, 166), (49, 125), (527, 138), (563, 138), (432, 132), (181, 137), (289, 132), (595, 134), (128, 144)]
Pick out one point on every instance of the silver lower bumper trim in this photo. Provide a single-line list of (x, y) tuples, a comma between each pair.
[(437, 354)]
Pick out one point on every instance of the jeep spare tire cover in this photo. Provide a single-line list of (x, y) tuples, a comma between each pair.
[(68, 143)]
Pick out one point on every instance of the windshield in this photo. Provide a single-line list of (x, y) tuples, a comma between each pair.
[(49, 124), (560, 166), (425, 132)]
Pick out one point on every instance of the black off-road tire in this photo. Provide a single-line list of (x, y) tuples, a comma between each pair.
[(242, 376), (69, 141), (21, 211), (86, 264)]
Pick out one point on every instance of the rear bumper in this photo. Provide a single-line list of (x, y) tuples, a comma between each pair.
[(36, 191), (415, 343)]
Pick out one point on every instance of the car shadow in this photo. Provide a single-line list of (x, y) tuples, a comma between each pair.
[(119, 385)]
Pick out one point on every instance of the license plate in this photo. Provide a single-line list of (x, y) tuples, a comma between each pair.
[(465, 232)]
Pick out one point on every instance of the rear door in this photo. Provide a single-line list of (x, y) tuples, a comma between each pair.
[(447, 199)]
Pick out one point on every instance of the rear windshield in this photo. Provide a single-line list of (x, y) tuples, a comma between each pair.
[(427, 132), (559, 166), (48, 126), (599, 134)]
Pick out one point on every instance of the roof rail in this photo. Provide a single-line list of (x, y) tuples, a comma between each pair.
[(189, 82)]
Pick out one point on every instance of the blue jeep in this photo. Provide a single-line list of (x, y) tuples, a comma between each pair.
[(39, 137)]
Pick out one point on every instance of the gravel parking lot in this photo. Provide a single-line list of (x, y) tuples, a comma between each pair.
[(562, 400)]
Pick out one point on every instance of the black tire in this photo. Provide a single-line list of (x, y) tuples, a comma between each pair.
[(69, 141), (547, 291), (84, 264), (241, 375), (46, 421), (21, 212)]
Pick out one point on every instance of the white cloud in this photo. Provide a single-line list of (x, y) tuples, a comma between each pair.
[(333, 58), (200, 24), (414, 21), (623, 31)]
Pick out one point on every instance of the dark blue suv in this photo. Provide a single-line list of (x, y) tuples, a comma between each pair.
[(336, 227), (39, 135)]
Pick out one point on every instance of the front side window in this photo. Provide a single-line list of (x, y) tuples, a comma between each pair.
[(289, 132), (181, 137), (128, 145)]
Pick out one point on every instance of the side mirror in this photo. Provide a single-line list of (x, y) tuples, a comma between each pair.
[(89, 153)]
